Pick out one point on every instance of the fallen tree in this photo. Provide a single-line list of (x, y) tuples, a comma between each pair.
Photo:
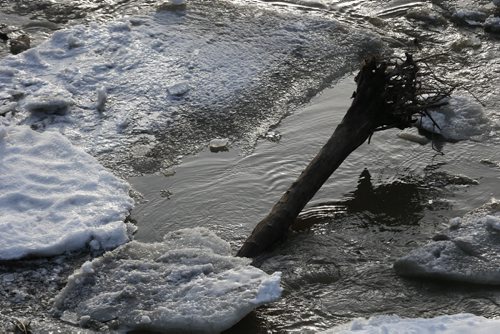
[(389, 94)]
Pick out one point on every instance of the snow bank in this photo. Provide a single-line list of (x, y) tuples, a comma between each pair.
[(462, 118), (468, 251), (447, 324), (55, 197), (187, 283)]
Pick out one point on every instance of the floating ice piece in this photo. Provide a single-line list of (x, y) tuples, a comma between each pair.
[(446, 324), (219, 144), (468, 251), (187, 283), (55, 197), (460, 119)]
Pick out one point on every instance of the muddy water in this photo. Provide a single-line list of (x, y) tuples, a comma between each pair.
[(387, 197)]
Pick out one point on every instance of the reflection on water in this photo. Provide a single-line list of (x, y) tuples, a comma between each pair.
[(387, 198)]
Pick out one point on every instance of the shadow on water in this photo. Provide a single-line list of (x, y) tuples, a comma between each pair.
[(337, 264)]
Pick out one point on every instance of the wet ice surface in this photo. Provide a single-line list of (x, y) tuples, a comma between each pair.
[(461, 118), (189, 282), (56, 198), (448, 324), (173, 81), (468, 251), (325, 289)]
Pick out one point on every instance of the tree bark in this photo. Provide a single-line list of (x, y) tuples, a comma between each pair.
[(367, 112)]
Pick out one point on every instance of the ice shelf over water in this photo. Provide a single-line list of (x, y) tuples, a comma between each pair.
[(173, 78), (468, 251), (462, 118), (446, 324), (190, 282), (55, 197)]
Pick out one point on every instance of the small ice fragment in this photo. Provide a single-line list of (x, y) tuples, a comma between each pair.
[(431, 201), (218, 145), (87, 268), (492, 222), (102, 97), (145, 319), (179, 89), (413, 137), (84, 321)]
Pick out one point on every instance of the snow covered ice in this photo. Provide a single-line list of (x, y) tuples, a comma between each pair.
[(151, 80), (446, 324), (460, 119), (190, 282), (55, 197), (468, 251)]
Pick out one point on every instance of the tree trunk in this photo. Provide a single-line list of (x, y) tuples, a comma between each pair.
[(366, 113)]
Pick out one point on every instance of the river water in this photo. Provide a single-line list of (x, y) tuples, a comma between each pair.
[(387, 198)]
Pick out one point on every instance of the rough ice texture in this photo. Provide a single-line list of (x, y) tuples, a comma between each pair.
[(170, 78), (187, 283), (446, 324), (468, 251), (462, 118), (55, 198)]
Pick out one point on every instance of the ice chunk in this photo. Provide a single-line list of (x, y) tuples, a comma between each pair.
[(219, 144), (460, 119), (187, 283), (446, 324), (55, 197), (468, 251)]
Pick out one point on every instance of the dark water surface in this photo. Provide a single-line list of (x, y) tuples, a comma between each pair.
[(387, 198)]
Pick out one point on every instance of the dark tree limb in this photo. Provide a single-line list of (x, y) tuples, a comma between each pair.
[(387, 96)]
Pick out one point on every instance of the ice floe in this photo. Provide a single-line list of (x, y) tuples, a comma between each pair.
[(460, 119), (55, 197), (468, 251), (190, 282), (173, 78), (446, 324)]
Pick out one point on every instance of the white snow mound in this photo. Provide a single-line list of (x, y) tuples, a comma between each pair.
[(187, 283), (462, 118), (468, 251), (446, 324), (55, 197)]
